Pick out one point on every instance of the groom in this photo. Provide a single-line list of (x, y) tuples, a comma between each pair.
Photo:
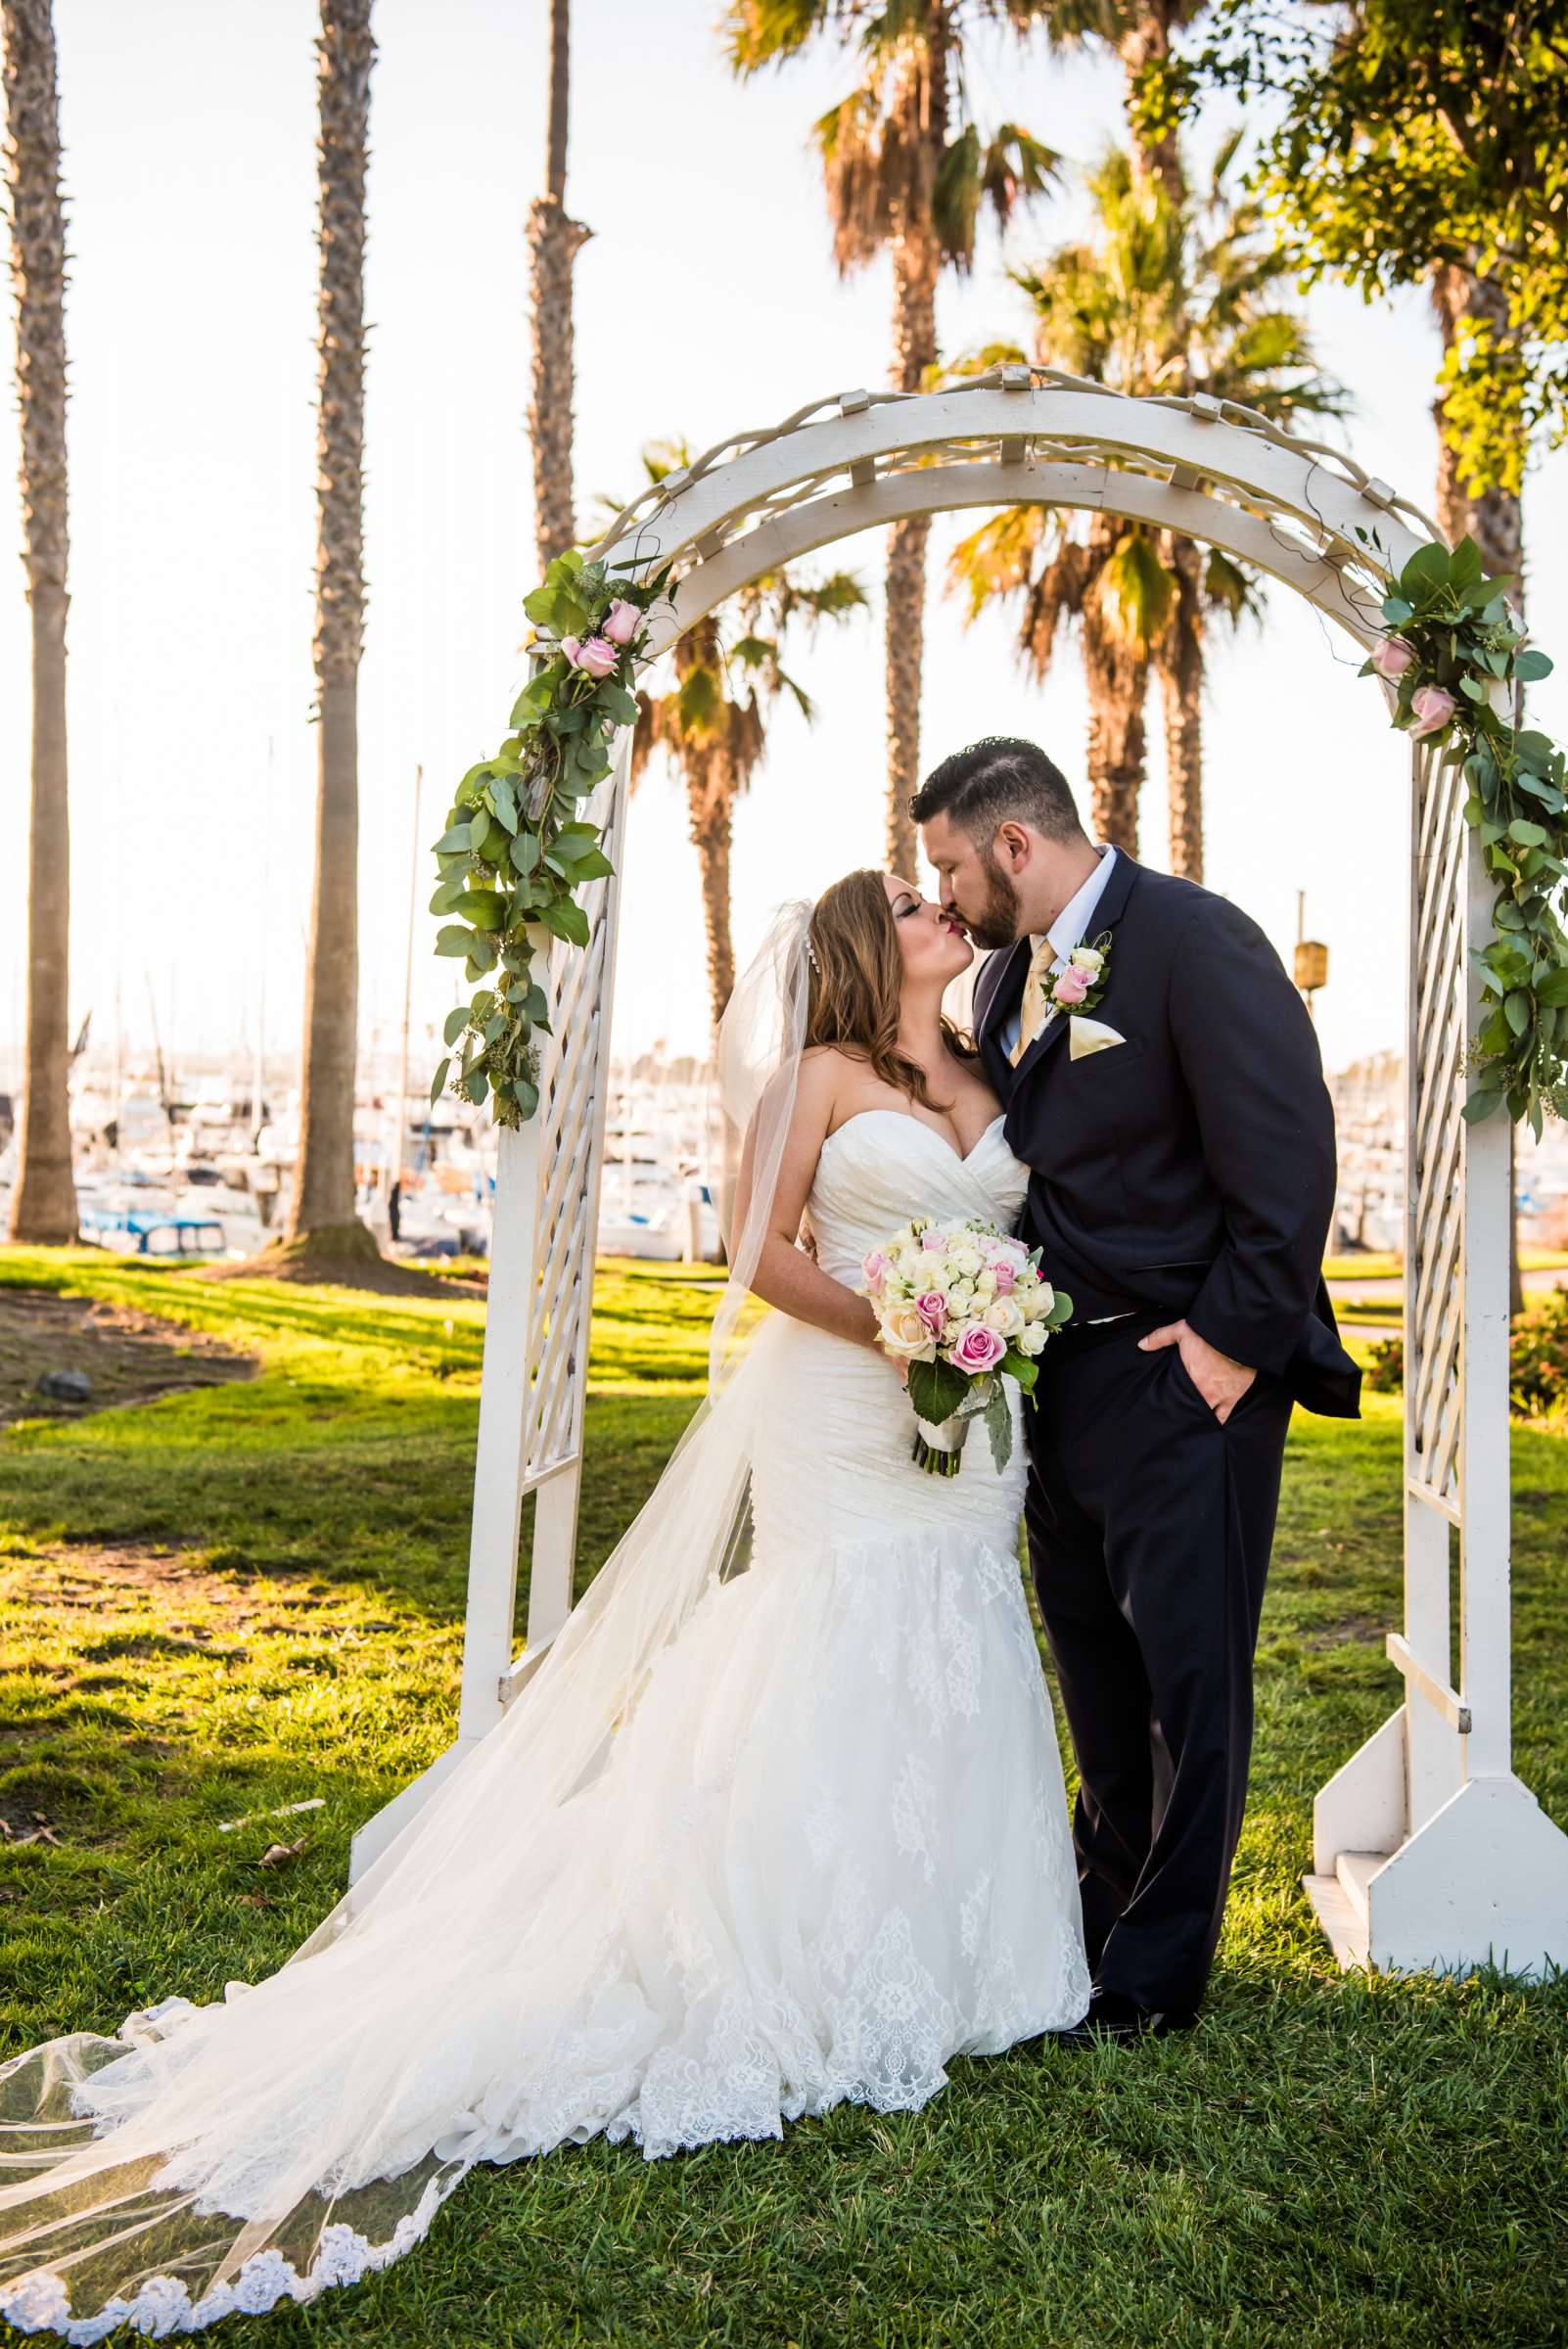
[(1166, 1095)]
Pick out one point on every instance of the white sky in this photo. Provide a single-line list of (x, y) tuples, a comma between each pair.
[(706, 303)]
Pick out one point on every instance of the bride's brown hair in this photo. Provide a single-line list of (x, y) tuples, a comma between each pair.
[(856, 984)]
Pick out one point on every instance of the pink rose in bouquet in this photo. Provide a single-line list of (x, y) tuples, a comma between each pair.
[(977, 1349)]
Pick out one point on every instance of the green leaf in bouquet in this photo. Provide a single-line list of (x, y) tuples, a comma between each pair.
[(936, 1389), (1022, 1366), (999, 1428), (1061, 1311)]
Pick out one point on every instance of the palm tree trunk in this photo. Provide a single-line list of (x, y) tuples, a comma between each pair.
[(712, 831), (1178, 663), (43, 1207), (323, 1197), (554, 240), (1147, 36), (1116, 672), (914, 338), (1494, 520), (1116, 681)]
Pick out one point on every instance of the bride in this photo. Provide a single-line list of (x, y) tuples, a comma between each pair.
[(778, 1822)]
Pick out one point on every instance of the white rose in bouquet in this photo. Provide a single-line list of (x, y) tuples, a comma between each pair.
[(904, 1332)]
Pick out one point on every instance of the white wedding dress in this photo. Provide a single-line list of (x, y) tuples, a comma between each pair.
[(825, 1851)]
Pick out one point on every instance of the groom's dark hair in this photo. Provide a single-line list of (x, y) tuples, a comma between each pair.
[(998, 779)]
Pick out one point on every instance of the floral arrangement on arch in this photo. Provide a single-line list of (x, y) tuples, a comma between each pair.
[(516, 850), (1451, 643)]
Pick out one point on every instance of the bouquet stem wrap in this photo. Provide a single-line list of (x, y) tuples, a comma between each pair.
[(939, 1449)]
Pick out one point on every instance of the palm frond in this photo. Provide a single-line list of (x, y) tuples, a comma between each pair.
[(1137, 591), (984, 356), (698, 704), (1055, 597), (1231, 587), (765, 32), (995, 559)]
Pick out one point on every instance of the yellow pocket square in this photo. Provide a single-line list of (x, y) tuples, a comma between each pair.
[(1087, 1035)]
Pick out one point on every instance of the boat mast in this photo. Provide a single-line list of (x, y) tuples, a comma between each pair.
[(400, 1106)]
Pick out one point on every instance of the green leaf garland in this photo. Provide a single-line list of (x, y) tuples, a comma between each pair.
[(516, 848), (1453, 642)]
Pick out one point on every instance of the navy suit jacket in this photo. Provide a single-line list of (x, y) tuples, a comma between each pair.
[(1190, 1170)]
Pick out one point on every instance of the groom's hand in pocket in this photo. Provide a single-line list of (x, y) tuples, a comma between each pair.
[(1218, 1380)]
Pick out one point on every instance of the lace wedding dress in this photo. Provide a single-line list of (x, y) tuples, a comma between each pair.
[(823, 1850)]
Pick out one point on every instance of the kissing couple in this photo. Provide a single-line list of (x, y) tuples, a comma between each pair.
[(780, 1821)]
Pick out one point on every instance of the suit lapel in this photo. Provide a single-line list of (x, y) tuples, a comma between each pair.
[(1001, 993), (1107, 914)]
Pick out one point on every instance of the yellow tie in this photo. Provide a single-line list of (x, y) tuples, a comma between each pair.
[(1032, 1011)]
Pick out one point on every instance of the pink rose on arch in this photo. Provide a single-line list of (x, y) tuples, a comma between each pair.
[(932, 1307), (1390, 657), (621, 622), (1072, 985), (1432, 709), (979, 1348), (1006, 1279), (594, 654)]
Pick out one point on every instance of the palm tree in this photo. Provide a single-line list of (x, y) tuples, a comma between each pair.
[(1494, 516), (324, 1195), (713, 722), (1143, 40), (1163, 298), (906, 170), (554, 242), (43, 1207)]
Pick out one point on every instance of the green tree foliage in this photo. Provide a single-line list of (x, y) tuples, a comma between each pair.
[(1418, 133)]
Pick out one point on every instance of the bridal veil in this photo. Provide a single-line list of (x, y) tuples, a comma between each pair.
[(303, 2131)]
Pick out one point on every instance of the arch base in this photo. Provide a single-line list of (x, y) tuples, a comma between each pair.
[(1484, 1882)]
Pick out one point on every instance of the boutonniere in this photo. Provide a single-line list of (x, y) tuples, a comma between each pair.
[(1079, 986)]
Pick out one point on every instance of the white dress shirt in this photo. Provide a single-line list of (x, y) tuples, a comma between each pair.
[(1066, 933)]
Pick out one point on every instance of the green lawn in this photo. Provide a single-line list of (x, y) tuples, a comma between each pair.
[(1372, 1267), (250, 1596)]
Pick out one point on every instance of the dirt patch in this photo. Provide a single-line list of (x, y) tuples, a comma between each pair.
[(342, 1257), (1348, 1631), (168, 1602), (127, 1355)]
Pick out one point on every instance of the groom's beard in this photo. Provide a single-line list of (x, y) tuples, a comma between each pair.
[(998, 924)]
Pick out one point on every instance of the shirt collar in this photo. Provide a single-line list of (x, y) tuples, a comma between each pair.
[(1066, 931)]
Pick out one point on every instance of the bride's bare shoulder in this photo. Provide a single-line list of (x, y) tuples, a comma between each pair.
[(831, 1082)]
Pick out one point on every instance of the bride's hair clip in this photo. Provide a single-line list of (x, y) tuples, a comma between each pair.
[(810, 955)]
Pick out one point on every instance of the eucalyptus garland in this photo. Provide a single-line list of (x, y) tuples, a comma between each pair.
[(516, 851), (1451, 643)]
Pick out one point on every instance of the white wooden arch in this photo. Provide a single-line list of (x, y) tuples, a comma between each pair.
[(1428, 1851)]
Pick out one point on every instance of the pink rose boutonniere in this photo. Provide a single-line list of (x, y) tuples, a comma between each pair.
[(1082, 978)]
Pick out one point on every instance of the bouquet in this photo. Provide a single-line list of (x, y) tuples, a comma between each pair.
[(965, 1306)]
